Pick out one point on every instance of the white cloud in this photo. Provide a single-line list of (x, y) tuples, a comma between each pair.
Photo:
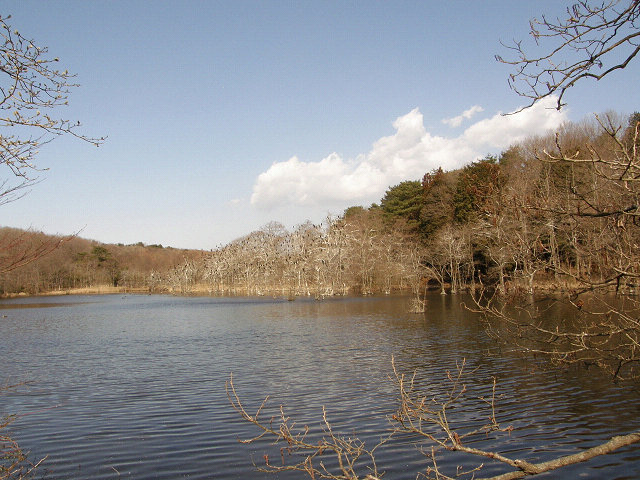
[(406, 155), (500, 131), (467, 114)]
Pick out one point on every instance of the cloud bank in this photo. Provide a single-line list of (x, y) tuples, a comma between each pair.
[(407, 154)]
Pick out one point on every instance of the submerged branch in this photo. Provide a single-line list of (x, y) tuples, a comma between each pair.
[(528, 469), (427, 418)]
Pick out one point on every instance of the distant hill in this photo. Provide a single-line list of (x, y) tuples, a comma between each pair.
[(33, 262)]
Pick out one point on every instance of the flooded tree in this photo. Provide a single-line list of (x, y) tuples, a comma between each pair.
[(433, 420), (597, 220)]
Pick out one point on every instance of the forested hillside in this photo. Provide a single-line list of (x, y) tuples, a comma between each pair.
[(32, 262), (549, 211)]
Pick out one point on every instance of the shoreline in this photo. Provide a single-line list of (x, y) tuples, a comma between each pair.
[(97, 290), (551, 288)]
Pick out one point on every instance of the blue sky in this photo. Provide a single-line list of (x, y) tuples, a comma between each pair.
[(223, 116)]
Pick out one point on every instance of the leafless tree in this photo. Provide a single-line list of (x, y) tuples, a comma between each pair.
[(31, 87), (592, 40), (596, 212)]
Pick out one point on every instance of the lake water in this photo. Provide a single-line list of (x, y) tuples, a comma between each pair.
[(134, 386)]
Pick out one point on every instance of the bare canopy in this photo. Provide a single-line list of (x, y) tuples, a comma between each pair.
[(31, 86), (591, 41)]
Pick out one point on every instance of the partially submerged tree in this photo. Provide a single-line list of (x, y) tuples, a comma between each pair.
[(581, 218), (587, 195), (598, 218), (435, 423)]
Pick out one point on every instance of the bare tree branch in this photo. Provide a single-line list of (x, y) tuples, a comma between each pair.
[(30, 87), (14, 464), (591, 41), (348, 453), (21, 247), (433, 419), (529, 469)]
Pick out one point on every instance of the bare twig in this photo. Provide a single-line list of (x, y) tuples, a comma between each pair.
[(591, 41), (428, 418), (349, 453)]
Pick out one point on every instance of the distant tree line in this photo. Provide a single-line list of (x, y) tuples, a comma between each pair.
[(541, 214), (76, 263)]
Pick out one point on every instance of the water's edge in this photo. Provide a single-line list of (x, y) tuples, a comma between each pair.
[(133, 386)]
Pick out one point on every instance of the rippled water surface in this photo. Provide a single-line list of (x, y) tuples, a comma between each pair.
[(134, 386)]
